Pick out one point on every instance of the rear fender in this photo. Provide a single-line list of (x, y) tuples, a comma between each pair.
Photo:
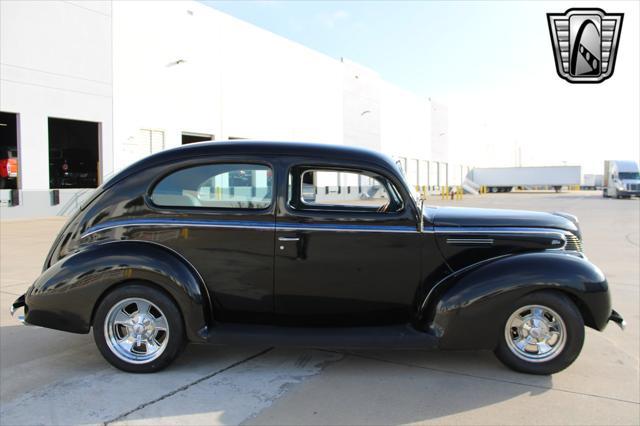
[(65, 296), (467, 310)]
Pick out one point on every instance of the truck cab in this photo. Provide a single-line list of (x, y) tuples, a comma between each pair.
[(621, 179)]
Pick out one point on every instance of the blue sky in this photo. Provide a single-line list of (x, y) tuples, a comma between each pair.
[(490, 62), (426, 47)]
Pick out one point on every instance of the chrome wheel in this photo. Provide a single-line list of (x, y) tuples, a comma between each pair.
[(535, 333), (136, 330)]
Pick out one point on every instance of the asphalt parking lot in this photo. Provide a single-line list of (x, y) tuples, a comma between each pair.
[(51, 377)]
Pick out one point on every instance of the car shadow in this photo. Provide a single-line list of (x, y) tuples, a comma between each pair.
[(58, 377)]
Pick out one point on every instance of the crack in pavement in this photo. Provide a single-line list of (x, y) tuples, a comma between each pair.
[(187, 386), (629, 240), (513, 382)]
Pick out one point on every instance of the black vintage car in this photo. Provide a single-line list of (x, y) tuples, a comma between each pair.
[(227, 243)]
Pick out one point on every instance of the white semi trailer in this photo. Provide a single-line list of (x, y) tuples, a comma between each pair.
[(591, 181), (503, 179), (621, 179)]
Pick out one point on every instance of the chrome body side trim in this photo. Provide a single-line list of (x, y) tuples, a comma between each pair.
[(287, 226), (470, 241), (168, 223), (498, 230)]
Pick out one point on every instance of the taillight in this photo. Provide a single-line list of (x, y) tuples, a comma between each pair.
[(65, 167)]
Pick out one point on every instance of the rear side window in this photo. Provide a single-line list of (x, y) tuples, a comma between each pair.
[(221, 186)]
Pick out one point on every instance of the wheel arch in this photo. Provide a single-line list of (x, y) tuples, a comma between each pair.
[(467, 307), (66, 295)]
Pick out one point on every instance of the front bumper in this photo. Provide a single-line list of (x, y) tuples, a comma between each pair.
[(19, 307), (628, 193), (617, 318)]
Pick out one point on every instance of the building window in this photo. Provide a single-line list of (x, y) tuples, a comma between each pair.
[(150, 141), (188, 137), (219, 186)]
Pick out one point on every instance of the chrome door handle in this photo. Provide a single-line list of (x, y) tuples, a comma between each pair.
[(288, 239)]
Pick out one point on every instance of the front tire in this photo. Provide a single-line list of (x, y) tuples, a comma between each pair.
[(543, 334), (138, 329)]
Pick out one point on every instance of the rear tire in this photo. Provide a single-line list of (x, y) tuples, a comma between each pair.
[(138, 328), (543, 334)]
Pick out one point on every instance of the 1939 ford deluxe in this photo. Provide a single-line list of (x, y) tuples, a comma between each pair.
[(311, 245)]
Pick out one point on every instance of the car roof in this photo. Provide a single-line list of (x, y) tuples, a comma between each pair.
[(254, 147)]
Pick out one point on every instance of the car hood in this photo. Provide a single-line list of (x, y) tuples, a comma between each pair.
[(477, 217)]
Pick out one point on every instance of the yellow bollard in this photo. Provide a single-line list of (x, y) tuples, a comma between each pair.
[(218, 193)]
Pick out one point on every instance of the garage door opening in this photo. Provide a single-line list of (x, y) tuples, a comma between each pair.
[(8, 150), (188, 138), (74, 153)]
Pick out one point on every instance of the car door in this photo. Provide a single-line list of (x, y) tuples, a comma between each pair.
[(219, 215), (341, 256)]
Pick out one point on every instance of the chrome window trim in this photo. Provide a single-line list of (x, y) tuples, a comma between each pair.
[(175, 208)]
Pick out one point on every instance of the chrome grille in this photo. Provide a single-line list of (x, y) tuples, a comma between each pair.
[(573, 243), (633, 186)]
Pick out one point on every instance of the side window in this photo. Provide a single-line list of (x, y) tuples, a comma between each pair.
[(225, 186), (343, 190)]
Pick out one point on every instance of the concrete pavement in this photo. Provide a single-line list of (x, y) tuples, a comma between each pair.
[(51, 377)]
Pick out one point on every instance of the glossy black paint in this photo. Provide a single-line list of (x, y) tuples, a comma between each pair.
[(453, 282), (475, 217), (469, 308), (65, 295)]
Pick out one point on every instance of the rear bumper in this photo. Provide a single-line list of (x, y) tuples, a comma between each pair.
[(18, 309), (617, 318)]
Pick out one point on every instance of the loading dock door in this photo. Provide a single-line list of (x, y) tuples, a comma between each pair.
[(8, 150), (74, 153)]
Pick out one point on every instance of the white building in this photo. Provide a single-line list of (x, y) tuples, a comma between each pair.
[(106, 83)]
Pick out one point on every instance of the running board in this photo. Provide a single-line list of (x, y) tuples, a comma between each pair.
[(388, 337)]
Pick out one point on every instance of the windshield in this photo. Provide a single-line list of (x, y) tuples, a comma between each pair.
[(629, 175), (415, 195)]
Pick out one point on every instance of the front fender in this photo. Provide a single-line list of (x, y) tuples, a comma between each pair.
[(470, 307), (65, 295)]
